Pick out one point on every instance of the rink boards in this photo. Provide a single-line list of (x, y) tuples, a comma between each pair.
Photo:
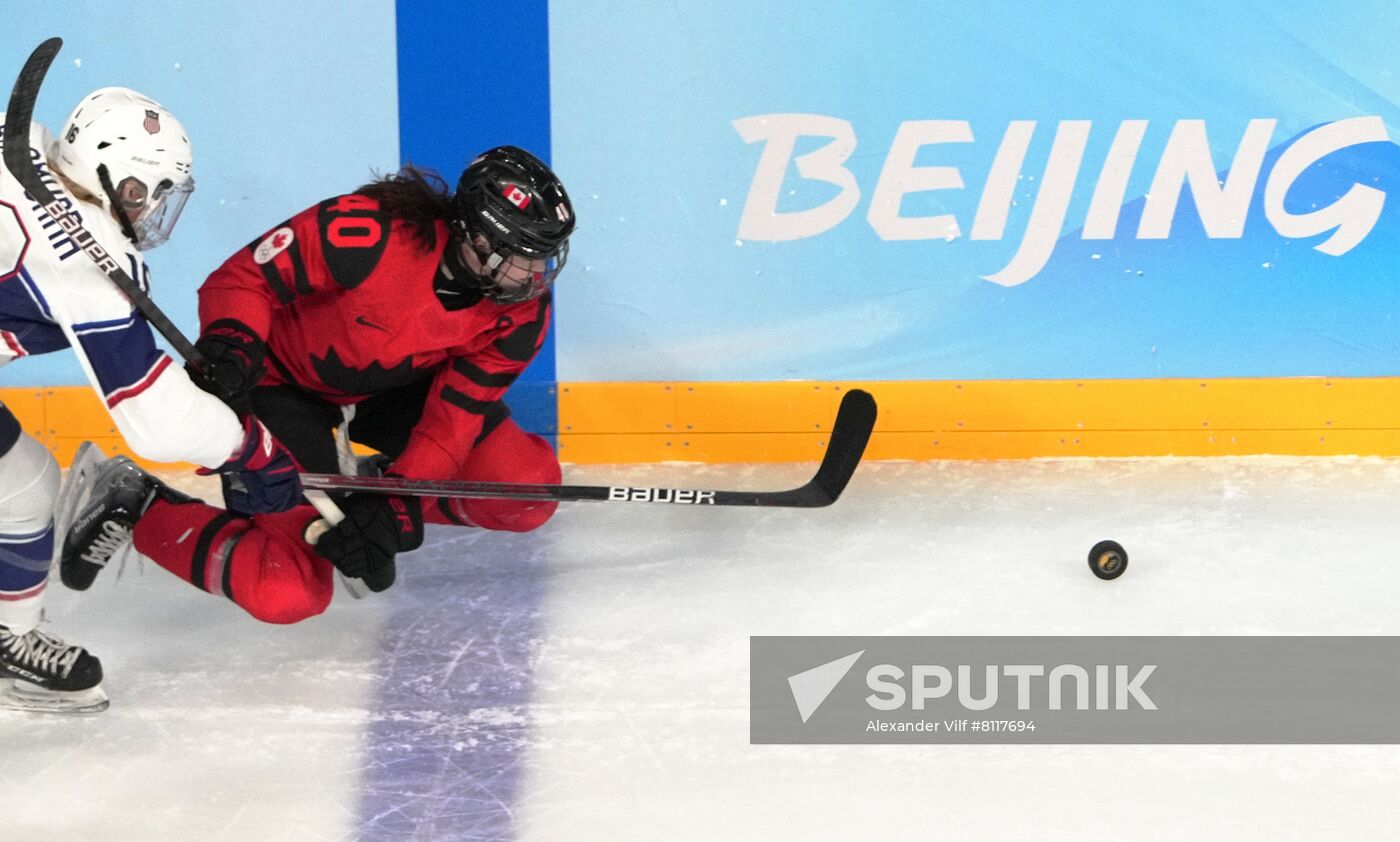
[(779, 422)]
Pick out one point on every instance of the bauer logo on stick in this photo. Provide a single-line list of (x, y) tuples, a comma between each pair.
[(661, 495)]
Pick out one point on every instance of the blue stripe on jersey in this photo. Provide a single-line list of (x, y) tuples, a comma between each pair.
[(35, 293), (109, 324), (24, 559), (121, 351), (24, 313)]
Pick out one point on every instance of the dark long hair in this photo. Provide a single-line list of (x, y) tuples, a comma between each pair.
[(418, 196)]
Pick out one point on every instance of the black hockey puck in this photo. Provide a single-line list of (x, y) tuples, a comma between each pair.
[(1108, 559)]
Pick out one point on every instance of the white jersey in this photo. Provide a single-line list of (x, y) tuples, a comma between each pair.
[(52, 296)]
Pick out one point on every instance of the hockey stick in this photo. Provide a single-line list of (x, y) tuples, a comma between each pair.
[(849, 435), (18, 116)]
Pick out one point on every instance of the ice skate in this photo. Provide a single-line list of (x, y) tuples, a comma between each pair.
[(98, 506), (43, 674)]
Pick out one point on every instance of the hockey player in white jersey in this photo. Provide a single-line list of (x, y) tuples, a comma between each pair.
[(124, 163)]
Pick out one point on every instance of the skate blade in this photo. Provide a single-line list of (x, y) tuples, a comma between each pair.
[(23, 696)]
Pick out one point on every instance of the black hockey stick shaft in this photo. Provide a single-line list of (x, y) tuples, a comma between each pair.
[(849, 435), (25, 169)]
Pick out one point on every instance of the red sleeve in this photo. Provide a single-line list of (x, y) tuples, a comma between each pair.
[(465, 399), (336, 243)]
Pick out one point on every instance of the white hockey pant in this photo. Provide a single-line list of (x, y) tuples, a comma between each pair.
[(29, 478)]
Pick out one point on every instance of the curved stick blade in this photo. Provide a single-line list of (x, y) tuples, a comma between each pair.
[(855, 420), (20, 112)]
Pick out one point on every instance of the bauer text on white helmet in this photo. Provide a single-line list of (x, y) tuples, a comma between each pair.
[(132, 157)]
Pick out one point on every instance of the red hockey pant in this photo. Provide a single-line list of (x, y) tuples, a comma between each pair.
[(509, 454), (263, 564)]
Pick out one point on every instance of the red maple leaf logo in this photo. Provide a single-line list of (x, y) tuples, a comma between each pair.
[(517, 197)]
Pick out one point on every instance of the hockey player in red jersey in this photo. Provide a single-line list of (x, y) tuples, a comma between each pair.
[(402, 310)]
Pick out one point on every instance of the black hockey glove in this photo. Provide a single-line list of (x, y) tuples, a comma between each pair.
[(376, 527), (234, 361)]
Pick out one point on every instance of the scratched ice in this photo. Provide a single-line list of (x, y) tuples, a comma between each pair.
[(590, 681), (446, 748)]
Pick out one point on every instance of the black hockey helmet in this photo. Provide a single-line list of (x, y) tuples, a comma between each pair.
[(511, 199)]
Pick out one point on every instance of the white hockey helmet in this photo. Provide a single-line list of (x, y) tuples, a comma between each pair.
[(131, 154)]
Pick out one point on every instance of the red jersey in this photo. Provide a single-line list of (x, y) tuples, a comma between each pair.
[(347, 300)]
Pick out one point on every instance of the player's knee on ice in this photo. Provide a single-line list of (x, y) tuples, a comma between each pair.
[(511, 515), (278, 579), (280, 595), (511, 455)]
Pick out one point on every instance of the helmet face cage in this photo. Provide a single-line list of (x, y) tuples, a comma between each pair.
[(154, 225), (513, 213), (511, 276)]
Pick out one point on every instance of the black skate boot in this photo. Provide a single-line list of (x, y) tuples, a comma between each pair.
[(98, 506), (39, 672)]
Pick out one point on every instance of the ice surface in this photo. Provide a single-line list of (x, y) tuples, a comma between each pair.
[(590, 680)]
